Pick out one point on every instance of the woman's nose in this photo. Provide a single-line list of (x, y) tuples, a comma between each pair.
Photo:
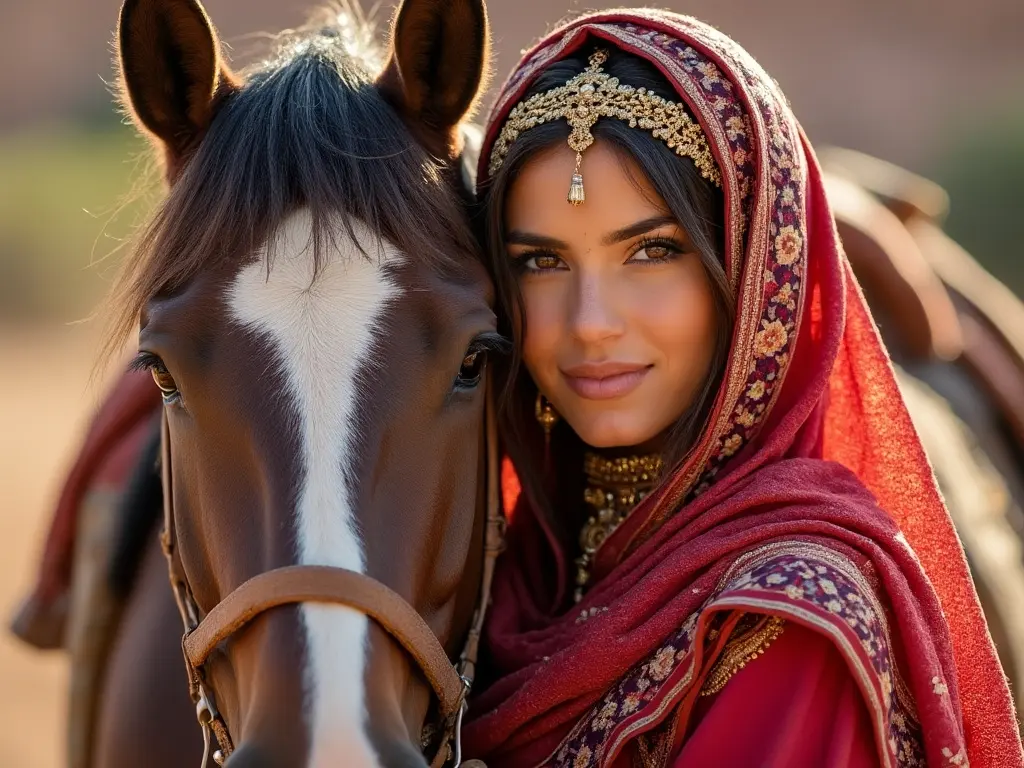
[(594, 316)]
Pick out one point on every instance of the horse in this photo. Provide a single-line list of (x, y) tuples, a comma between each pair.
[(314, 312)]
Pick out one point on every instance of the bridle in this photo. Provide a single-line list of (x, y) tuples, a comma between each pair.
[(326, 584)]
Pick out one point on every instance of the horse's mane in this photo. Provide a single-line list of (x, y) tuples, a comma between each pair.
[(308, 129)]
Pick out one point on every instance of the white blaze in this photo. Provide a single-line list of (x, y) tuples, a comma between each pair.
[(323, 332)]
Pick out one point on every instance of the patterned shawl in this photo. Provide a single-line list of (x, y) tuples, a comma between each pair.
[(808, 495)]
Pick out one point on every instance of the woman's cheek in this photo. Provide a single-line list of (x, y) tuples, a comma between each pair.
[(658, 305), (543, 326), (678, 318)]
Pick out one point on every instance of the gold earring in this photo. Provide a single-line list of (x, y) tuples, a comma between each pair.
[(546, 415)]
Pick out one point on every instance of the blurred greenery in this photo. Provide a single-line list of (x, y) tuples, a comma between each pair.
[(69, 198), (983, 171)]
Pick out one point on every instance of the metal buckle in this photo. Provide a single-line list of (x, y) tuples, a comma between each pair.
[(457, 728), (204, 716), (457, 735)]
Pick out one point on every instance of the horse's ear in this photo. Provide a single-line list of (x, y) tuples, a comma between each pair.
[(172, 76), (438, 65)]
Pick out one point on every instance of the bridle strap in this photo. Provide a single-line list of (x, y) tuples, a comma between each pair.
[(494, 543), (328, 584)]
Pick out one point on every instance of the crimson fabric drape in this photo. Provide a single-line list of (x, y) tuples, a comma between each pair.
[(808, 495)]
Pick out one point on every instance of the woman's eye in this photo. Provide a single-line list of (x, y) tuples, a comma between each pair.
[(654, 252), (542, 262), (471, 371)]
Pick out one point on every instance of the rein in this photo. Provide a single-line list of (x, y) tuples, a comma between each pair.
[(327, 584)]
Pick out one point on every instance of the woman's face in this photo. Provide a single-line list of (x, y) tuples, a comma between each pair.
[(620, 317)]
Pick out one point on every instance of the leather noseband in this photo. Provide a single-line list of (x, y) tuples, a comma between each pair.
[(326, 584)]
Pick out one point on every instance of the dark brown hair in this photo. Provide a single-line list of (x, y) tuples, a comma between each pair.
[(696, 205)]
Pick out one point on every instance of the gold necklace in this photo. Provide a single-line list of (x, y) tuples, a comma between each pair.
[(614, 488)]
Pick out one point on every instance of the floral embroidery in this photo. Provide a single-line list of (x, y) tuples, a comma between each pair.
[(732, 445), (735, 127), (744, 417), (637, 690), (788, 242), (604, 717), (784, 296), (582, 759), (711, 75), (771, 339), (631, 703), (812, 580), (960, 758), (662, 663), (807, 580), (939, 687)]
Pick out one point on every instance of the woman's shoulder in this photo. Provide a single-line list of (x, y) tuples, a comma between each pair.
[(791, 625), (808, 625), (829, 587)]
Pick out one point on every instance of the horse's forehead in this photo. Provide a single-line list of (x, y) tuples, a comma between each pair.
[(321, 310), (322, 321)]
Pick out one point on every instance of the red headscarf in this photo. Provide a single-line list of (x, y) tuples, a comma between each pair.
[(807, 496)]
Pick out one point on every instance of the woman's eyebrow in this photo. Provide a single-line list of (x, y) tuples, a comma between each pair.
[(639, 228), (518, 237)]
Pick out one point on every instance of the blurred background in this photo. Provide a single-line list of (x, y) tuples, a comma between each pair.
[(933, 85)]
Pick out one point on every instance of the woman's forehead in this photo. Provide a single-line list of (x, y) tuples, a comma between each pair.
[(618, 195)]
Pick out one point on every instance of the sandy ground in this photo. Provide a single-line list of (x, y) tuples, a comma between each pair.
[(45, 401)]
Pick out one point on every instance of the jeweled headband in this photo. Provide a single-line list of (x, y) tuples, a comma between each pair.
[(592, 94)]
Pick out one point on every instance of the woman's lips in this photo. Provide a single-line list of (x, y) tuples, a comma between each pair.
[(604, 381)]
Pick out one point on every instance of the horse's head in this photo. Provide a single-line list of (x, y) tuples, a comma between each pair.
[(312, 306)]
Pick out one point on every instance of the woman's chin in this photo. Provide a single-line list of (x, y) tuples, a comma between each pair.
[(612, 433)]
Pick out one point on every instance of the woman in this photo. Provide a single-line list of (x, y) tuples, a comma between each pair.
[(728, 549)]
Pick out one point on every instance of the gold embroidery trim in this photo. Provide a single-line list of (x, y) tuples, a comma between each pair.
[(740, 651), (654, 748)]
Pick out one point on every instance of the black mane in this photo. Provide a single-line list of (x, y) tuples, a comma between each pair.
[(309, 129)]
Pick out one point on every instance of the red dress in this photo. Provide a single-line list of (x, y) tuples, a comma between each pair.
[(796, 705)]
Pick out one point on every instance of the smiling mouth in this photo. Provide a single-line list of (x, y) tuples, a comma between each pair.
[(593, 383)]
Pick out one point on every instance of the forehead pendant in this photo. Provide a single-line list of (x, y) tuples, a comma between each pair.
[(593, 94)]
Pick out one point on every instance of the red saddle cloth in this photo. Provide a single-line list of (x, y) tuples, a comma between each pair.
[(104, 463)]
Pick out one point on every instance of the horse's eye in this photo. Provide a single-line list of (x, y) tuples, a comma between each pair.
[(164, 380), (471, 371)]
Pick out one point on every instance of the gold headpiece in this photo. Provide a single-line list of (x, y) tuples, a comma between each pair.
[(592, 94)]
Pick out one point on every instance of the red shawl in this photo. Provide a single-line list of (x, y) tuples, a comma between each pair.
[(808, 495)]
